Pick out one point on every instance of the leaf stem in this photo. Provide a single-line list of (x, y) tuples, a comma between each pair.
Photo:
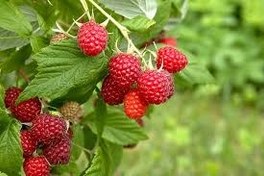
[(85, 6), (75, 22), (84, 149), (23, 75)]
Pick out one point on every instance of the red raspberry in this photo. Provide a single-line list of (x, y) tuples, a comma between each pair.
[(11, 94), (59, 151), (134, 106), (47, 128), (28, 143), (154, 86), (36, 166), (92, 38), (124, 69), (27, 110), (168, 41), (111, 93), (173, 60)]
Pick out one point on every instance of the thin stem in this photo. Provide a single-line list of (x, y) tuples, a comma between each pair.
[(75, 22), (62, 31), (23, 75), (124, 31), (84, 149), (85, 6)]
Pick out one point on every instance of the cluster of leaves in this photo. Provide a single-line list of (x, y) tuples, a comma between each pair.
[(233, 32), (60, 72)]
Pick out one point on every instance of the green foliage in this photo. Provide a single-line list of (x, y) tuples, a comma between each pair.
[(225, 43), (199, 135), (13, 20), (60, 72)]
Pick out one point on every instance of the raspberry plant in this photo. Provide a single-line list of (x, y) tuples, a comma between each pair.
[(102, 55)]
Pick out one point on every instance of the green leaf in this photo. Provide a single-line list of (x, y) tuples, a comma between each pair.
[(120, 130), (13, 20), (101, 115), (89, 138), (10, 39), (78, 139), (62, 68), (139, 23), (37, 43), (2, 174), (180, 9), (105, 161), (10, 149), (100, 164), (132, 8), (161, 18), (16, 60), (29, 13), (195, 72)]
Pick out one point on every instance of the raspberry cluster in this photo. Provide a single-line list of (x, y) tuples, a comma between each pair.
[(46, 142), (127, 83)]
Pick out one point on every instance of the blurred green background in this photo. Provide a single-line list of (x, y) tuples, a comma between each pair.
[(213, 129)]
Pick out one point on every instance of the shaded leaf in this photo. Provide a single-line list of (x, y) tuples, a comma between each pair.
[(132, 8), (16, 60), (139, 23), (13, 20), (10, 39)]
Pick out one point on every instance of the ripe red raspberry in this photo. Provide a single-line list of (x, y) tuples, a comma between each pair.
[(134, 106), (11, 94), (28, 143), (46, 128), (173, 60), (27, 110), (36, 166), (59, 151), (154, 86), (124, 69), (111, 93), (92, 38), (168, 41)]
